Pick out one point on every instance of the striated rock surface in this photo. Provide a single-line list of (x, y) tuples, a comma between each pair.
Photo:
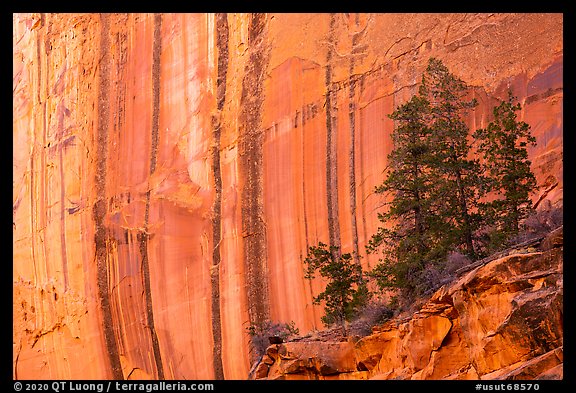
[(171, 170), (502, 320)]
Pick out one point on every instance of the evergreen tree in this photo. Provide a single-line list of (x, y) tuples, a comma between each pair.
[(433, 184), (503, 146), (413, 234), (460, 184), (346, 290)]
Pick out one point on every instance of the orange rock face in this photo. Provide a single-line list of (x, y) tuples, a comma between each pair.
[(170, 171)]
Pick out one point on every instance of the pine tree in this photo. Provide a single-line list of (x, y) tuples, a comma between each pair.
[(346, 290), (412, 234), (503, 146), (432, 185), (460, 184)]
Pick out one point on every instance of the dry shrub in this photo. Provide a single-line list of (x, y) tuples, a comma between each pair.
[(374, 313), (261, 333), (434, 276), (540, 223)]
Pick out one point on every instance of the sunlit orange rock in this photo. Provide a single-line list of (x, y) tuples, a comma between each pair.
[(501, 320)]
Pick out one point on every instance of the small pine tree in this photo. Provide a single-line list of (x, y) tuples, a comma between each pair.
[(503, 146), (346, 290)]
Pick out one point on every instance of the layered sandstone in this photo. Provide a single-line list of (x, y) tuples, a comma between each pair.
[(501, 320), (170, 171)]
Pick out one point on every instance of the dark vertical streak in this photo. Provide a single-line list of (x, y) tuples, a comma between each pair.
[(156, 51), (307, 283), (35, 152), (304, 207), (352, 158), (143, 237), (99, 209), (362, 177), (222, 45), (251, 155), (331, 149)]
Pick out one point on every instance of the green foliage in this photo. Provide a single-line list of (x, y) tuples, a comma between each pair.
[(503, 146), (432, 184), (459, 184), (413, 236), (346, 289), (436, 192)]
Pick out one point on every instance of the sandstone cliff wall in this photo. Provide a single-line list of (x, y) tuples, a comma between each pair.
[(170, 171)]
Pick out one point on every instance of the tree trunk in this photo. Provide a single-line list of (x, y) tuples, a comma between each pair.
[(418, 224), (464, 211)]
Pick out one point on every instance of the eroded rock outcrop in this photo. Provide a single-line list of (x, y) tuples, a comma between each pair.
[(502, 320)]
